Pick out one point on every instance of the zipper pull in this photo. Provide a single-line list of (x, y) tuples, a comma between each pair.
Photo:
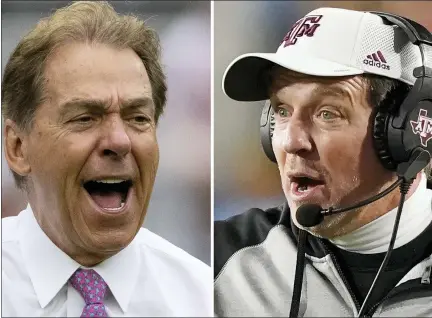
[(426, 275)]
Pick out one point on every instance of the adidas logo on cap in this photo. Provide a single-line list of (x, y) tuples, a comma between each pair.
[(377, 59)]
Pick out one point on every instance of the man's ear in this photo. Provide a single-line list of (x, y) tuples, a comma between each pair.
[(15, 147)]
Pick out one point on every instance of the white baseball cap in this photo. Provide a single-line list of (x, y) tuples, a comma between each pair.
[(328, 42)]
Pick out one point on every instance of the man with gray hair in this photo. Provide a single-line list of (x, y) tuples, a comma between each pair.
[(81, 97)]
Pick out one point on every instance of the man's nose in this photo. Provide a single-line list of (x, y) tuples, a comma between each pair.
[(297, 138), (116, 141)]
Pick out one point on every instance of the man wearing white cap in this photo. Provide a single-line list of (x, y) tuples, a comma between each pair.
[(348, 121)]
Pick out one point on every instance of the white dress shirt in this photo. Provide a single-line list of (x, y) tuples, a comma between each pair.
[(150, 277)]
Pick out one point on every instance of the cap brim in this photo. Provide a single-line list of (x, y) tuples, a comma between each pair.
[(244, 78)]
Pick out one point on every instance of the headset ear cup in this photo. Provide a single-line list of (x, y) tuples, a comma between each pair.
[(266, 130), (380, 139)]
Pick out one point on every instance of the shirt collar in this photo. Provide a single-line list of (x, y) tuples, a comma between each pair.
[(121, 272), (50, 268), (374, 237)]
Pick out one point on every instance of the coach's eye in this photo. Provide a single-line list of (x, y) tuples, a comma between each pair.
[(282, 112), (327, 115), (140, 119), (84, 119)]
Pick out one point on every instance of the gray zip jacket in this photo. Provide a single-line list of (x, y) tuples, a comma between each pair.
[(254, 266)]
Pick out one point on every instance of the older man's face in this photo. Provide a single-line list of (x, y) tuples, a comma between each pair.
[(92, 151), (323, 146)]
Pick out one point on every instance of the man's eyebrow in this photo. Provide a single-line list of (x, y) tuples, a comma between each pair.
[(317, 94), (334, 91), (93, 105), (100, 106), (140, 102)]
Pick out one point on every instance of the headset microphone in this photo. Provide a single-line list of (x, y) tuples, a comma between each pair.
[(309, 215)]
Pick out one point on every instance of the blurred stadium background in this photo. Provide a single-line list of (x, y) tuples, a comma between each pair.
[(180, 206), (243, 176)]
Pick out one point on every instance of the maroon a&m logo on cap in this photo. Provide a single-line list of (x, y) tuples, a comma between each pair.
[(305, 26), (423, 127)]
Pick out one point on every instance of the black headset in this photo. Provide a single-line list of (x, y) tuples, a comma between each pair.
[(394, 138)]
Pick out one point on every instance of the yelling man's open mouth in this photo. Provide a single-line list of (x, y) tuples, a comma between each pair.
[(304, 186), (109, 194)]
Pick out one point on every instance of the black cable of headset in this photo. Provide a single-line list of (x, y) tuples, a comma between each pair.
[(393, 186), (404, 187), (298, 280)]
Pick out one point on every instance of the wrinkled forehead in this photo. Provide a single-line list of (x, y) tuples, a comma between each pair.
[(278, 77), (79, 70)]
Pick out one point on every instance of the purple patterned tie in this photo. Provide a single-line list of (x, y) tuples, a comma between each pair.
[(92, 288)]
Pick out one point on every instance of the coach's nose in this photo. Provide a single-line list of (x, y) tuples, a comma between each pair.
[(296, 137), (115, 141)]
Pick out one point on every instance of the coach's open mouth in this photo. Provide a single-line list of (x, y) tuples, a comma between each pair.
[(305, 183), (109, 194)]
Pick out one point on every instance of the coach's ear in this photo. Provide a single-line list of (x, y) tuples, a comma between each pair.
[(16, 148)]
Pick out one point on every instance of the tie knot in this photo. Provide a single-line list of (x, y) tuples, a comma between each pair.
[(90, 285)]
